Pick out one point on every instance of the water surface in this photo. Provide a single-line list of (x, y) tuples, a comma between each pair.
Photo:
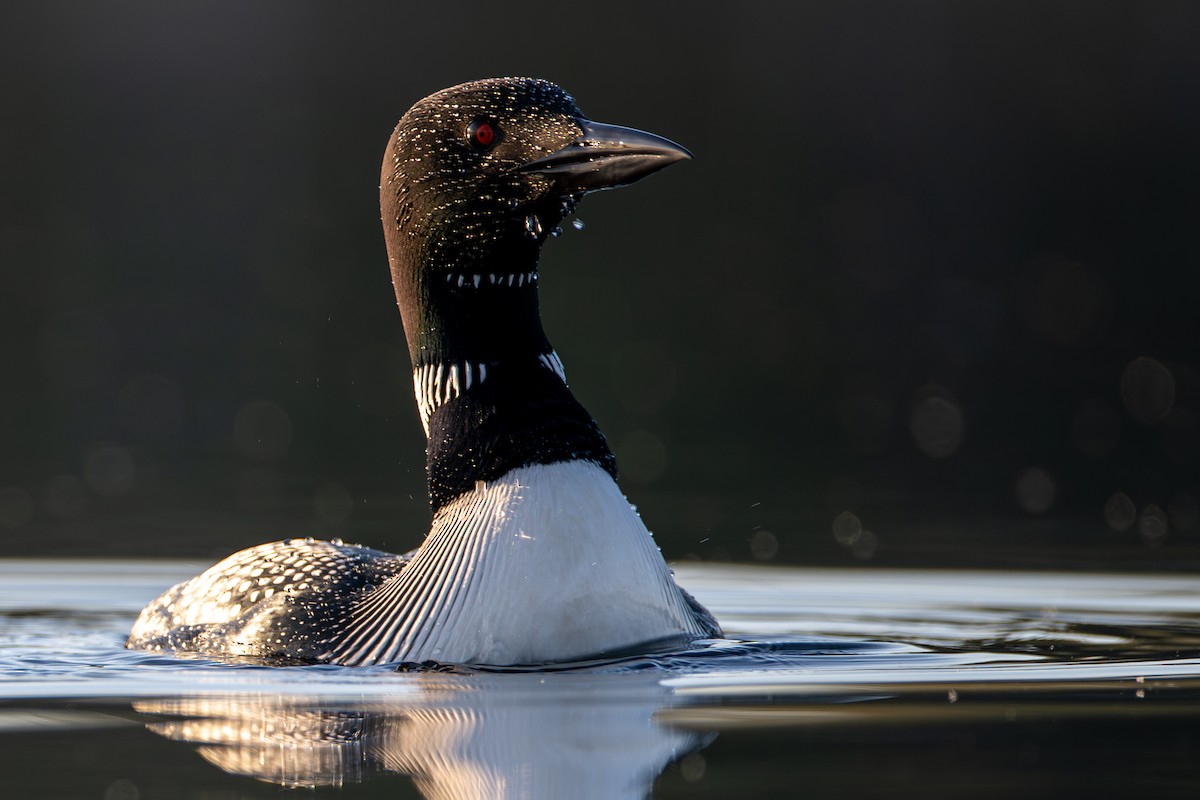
[(833, 683)]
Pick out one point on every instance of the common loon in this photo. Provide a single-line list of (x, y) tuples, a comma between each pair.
[(534, 555)]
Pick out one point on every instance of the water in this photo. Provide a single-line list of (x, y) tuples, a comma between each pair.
[(834, 683)]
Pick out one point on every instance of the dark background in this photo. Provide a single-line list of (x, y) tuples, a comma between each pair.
[(927, 295)]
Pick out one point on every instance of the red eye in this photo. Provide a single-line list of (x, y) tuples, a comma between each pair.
[(483, 135)]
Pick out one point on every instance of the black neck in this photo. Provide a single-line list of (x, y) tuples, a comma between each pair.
[(520, 414), (475, 312), (505, 407), (463, 283)]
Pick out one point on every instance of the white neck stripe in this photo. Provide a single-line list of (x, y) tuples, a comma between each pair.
[(471, 280), (437, 384), (434, 385), (552, 362)]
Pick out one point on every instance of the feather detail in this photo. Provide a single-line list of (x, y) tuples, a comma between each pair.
[(549, 563)]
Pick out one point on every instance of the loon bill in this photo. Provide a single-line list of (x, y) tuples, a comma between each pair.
[(534, 555)]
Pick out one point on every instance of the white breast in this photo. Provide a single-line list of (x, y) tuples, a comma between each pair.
[(548, 563)]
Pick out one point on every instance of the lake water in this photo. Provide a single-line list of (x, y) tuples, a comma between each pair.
[(833, 683)]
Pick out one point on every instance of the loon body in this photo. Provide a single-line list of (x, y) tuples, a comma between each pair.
[(534, 555)]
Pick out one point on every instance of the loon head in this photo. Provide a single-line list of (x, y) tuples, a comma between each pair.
[(475, 179)]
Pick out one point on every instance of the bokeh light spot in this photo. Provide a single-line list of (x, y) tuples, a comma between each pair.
[(1148, 390), (1119, 512), (936, 424), (764, 546), (692, 767), (847, 528), (865, 546), (122, 789), (1035, 491), (1152, 525)]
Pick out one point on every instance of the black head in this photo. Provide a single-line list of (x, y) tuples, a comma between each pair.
[(475, 178)]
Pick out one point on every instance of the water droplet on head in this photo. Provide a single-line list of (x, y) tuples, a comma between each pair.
[(533, 227), (577, 224)]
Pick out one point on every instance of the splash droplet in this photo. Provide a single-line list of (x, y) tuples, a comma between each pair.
[(567, 206), (577, 224)]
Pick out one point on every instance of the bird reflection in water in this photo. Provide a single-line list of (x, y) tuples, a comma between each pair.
[(531, 735)]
